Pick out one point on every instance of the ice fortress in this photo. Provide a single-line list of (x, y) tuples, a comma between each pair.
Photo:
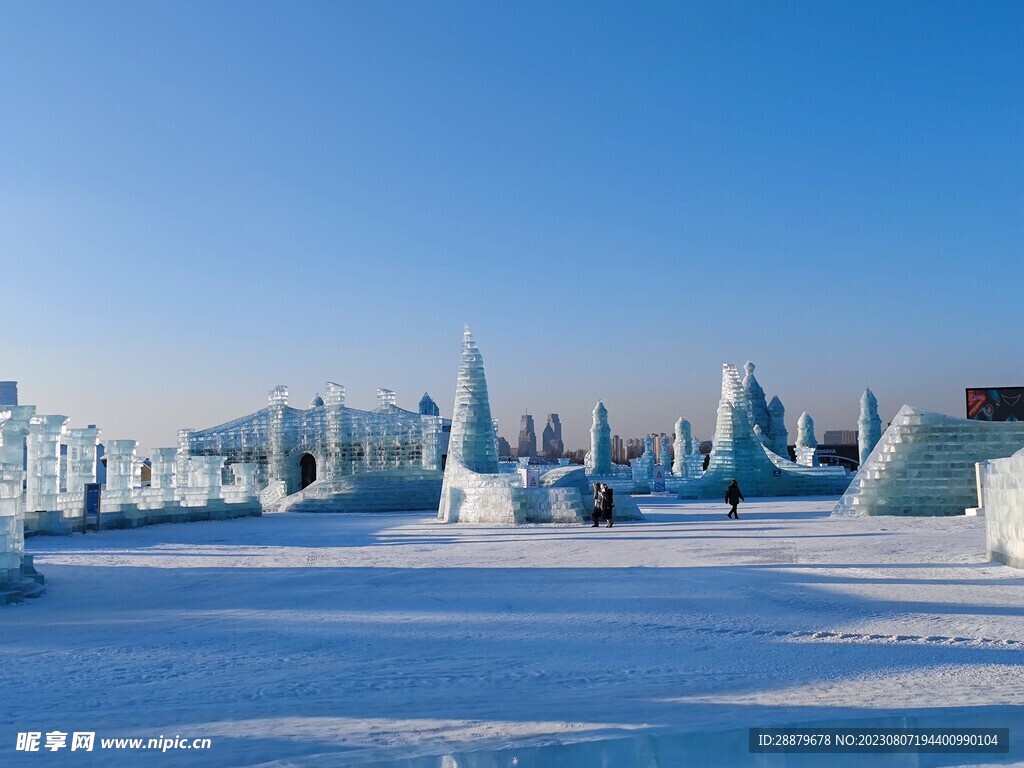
[(925, 464), (332, 458), (475, 491)]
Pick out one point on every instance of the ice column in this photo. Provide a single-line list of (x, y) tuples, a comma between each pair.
[(81, 458), (277, 401), (683, 438), (334, 402), (181, 460), (665, 455), (601, 441), (13, 431), (806, 444), (205, 482), (163, 465), (43, 481), (869, 426), (121, 467)]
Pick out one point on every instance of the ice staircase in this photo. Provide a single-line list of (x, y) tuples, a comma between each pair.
[(376, 492)]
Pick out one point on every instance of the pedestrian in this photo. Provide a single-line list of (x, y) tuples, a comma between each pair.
[(608, 503), (598, 507), (733, 496)]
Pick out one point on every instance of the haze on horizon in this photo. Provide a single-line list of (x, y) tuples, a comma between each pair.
[(199, 201)]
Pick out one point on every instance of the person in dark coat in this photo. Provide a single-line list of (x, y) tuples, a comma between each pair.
[(608, 503), (733, 496), (598, 504)]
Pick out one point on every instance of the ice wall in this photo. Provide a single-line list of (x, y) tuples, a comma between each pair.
[(1002, 491)]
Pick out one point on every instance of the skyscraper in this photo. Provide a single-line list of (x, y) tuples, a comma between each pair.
[(527, 436), (551, 439)]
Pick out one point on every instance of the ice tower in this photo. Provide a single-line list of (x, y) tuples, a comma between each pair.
[(869, 425), (806, 443), (684, 436), (757, 408), (601, 441), (778, 436), (472, 440)]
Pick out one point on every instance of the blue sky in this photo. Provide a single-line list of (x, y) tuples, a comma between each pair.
[(201, 200)]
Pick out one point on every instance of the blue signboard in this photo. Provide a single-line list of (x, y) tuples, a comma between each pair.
[(92, 503)]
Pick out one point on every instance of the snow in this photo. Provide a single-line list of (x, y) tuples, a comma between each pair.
[(295, 635)]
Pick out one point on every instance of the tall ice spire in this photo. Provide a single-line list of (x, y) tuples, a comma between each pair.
[(472, 437)]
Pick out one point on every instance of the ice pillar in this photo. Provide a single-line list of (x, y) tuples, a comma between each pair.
[(81, 466), (869, 426), (601, 441), (163, 465), (665, 455), (121, 468), (43, 481), (277, 400), (683, 438)]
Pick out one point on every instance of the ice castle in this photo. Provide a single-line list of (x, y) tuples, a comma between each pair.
[(748, 437), (332, 458)]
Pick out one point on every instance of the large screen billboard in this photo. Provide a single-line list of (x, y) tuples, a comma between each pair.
[(996, 404)]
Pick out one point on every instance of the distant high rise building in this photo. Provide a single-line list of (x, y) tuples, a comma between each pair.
[(618, 450), (504, 449), (527, 436), (8, 393), (551, 439)]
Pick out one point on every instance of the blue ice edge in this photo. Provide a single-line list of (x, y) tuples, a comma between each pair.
[(693, 749)]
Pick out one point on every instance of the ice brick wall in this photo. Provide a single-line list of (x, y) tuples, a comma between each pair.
[(924, 465), (1002, 484)]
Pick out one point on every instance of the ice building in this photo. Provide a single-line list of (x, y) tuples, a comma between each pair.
[(1001, 496), (18, 579), (739, 453), (925, 465), (332, 458), (474, 491)]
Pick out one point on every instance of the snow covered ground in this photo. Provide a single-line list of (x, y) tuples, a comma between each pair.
[(293, 635)]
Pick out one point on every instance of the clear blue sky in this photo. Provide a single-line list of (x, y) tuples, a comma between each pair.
[(199, 200)]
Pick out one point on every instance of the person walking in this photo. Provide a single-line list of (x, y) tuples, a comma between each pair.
[(598, 504), (608, 503), (733, 496)]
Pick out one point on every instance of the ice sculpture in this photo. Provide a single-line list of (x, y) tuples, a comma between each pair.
[(806, 444), (1001, 494), (332, 458), (757, 409), (737, 454), (869, 425), (43, 481), (474, 491), (778, 435), (81, 459), (601, 441), (121, 471), (665, 455), (684, 437), (924, 465), (15, 568)]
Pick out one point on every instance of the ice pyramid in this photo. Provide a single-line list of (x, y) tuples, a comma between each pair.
[(924, 465)]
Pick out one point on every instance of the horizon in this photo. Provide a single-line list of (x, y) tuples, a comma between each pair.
[(200, 202)]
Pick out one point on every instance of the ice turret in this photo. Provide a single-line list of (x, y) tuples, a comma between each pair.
[(757, 409), (869, 426), (472, 437), (601, 441), (778, 435), (806, 444), (428, 407), (317, 401)]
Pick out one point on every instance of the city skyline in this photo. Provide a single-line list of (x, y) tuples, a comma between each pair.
[(832, 192)]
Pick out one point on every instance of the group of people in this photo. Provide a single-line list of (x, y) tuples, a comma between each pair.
[(604, 504)]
